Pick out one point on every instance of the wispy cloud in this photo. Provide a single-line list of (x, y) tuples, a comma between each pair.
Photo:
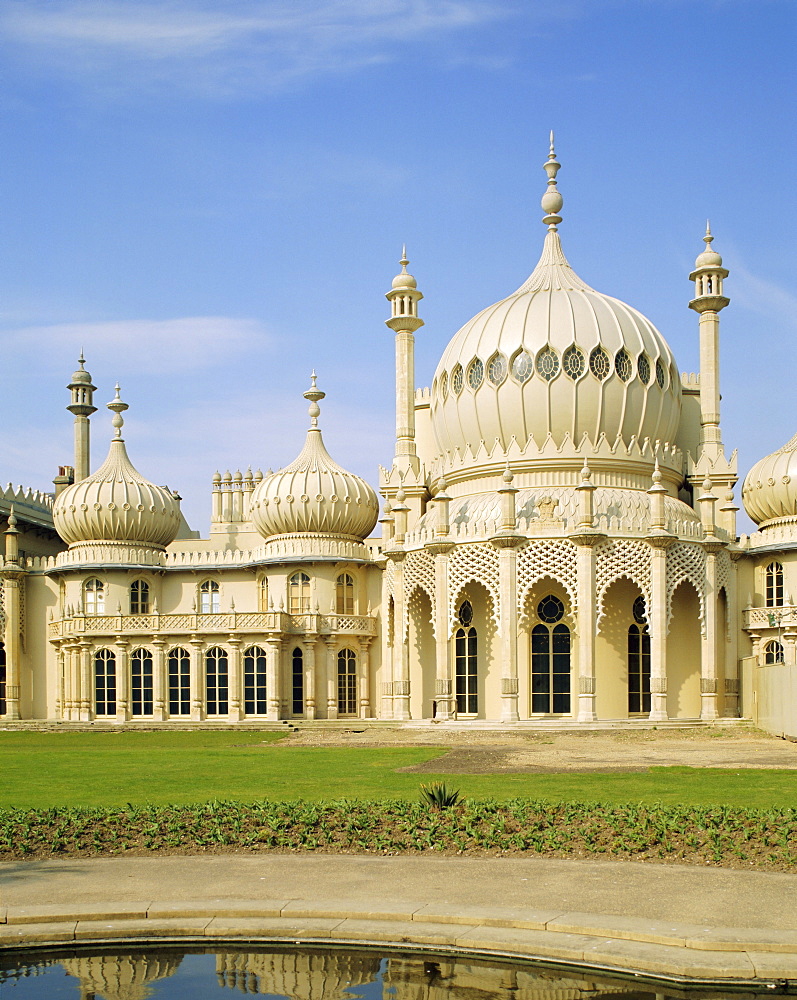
[(765, 298), (214, 45)]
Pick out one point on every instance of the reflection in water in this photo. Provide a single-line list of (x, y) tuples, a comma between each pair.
[(166, 974)]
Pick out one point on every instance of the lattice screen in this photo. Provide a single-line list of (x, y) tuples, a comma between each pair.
[(554, 558), (687, 562), (477, 563), (617, 560)]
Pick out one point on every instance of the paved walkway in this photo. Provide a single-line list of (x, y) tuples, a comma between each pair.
[(704, 924)]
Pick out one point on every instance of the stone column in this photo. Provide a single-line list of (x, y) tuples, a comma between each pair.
[(234, 707), (12, 584), (708, 649), (159, 681), (587, 624), (657, 625), (330, 641), (364, 678), (273, 692), (309, 678), (197, 679), (446, 705), (122, 680), (732, 706), (86, 682), (507, 570), (65, 657), (388, 645), (401, 649)]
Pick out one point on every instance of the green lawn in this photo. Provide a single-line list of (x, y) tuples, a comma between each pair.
[(111, 769)]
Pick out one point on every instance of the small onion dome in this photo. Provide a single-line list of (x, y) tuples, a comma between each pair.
[(81, 375), (116, 503), (314, 494), (404, 279), (709, 257), (770, 489)]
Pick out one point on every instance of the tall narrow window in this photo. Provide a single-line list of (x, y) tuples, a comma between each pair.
[(179, 681), (139, 597), (774, 585), (3, 706), (94, 597), (550, 660), (105, 682), (466, 662), (297, 682), (216, 682), (344, 594), (141, 682), (255, 681), (262, 594), (209, 597), (639, 660), (347, 682), (299, 594)]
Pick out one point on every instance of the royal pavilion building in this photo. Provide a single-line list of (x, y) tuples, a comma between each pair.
[(558, 545)]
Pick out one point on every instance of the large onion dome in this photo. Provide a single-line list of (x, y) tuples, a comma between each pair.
[(556, 358), (314, 495), (116, 503), (770, 488)]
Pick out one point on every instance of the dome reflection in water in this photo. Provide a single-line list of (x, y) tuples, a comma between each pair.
[(299, 975)]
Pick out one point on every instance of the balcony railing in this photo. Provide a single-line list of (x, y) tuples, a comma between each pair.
[(760, 618)]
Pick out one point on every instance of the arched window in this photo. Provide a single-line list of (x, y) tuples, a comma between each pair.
[(773, 652), (347, 682), (105, 682), (139, 597), (639, 660), (299, 594), (179, 681), (466, 661), (216, 682), (255, 681), (297, 682), (344, 594), (209, 597), (94, 597), (3, 706), (774, 585), (262, 594), (550, 659), (141, 682)]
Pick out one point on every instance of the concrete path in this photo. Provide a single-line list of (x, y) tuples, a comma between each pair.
[(700, 924)]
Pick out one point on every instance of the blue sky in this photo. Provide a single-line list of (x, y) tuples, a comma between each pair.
[(211, 198)]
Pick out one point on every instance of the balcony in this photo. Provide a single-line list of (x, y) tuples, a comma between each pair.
[(762, 618)]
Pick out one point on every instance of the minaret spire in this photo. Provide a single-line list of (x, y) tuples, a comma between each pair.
[(82, 406), (404, 321), (552, 200)]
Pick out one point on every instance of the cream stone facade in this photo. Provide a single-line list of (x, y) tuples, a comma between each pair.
[(558, 545)]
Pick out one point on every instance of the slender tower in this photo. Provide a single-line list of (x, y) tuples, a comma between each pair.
[(404, 321), (708, 276), (82, 406)]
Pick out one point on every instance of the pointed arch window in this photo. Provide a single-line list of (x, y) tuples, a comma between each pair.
[(548, 363), (94, 597), (347, 682), (622, 364), (573, 363), (522, 367), (216, 681), (255, 681), (774, 585), (179, 667), (466, 662), (344, 594), (661, 378), (141, 682), (639, 660), (139, 597), (773, 653), (209, 600), (643, 369), (105, 682), (475, 373), (262, 593), (297, 682), (3, 704), (299, 594), (550, 660), (599, 363)]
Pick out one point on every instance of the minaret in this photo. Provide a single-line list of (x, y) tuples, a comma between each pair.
[(82, 406), (707, 276), (404, 321)]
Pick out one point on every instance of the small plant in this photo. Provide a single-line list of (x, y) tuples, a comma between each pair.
[(439, 796)]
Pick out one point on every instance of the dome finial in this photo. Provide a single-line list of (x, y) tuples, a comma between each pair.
[(119, 408), (552, 200), (404, 259), (81, 360), (314, 394)]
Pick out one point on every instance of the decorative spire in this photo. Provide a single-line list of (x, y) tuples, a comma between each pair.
[(314, 394), (552, 200), (119, 408)]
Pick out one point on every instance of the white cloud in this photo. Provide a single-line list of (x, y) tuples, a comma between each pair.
[(765, 298)]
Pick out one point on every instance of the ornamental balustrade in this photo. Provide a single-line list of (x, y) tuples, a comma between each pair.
[(760, 618), (229, 622)]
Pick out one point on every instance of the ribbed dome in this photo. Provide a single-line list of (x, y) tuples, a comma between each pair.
[(116, 503), (770, 488), (314, 494), (555, 358)]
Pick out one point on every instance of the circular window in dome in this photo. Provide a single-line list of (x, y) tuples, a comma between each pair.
[(475, 373), (660, 378), (522, 367), (643, 367), (573, 363), (640, 611), (599, 363), (548, 363), (443, 385), (550, 609), (456, 379), (496, 369), (622, 364)]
